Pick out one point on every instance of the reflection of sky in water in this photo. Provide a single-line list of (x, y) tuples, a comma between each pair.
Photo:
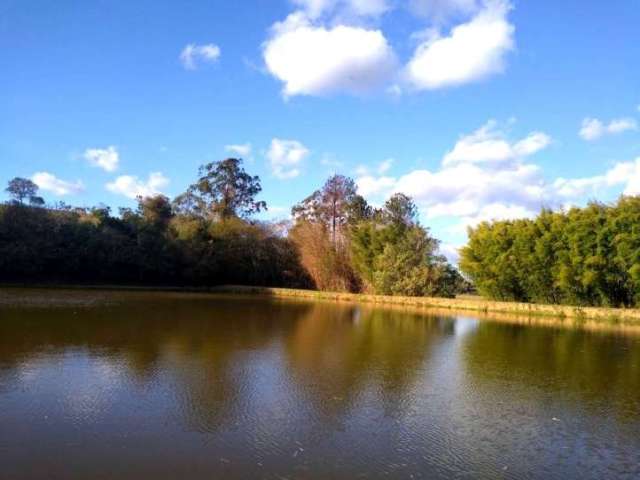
[(315, 391), (464, 325), (85, 386), (356, 315), (92, 387)]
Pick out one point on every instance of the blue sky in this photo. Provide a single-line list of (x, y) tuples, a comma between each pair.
[(478, 109)]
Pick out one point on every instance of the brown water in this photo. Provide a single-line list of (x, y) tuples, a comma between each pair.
[(99, 385)]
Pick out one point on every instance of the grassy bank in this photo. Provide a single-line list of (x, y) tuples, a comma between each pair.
[(557, 313)]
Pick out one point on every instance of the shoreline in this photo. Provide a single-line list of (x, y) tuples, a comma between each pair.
[(557, 314)]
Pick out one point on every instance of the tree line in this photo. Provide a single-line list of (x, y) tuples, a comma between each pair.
[(584, 256), (207, 236)]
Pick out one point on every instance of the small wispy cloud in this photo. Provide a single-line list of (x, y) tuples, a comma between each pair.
[(104, 158), (593, 128), (193, 54), (243, 149), (328, 160), (285, 157), (385, 165)]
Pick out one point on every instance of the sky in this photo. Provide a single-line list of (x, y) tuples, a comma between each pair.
[(478, 109)]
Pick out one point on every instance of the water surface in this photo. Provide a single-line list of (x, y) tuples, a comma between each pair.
[(106, 385)]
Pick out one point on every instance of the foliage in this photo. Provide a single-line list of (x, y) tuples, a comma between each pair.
[(225, 190), (586, 256), (23, 188), (204, 236), (346, 245), (395, 255), (153, 244)]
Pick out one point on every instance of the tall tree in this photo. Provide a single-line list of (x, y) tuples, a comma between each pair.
[(400, 210), (227, 190), (189, 204), (337, 195), (155, 210), (22, 188), (332, 205)]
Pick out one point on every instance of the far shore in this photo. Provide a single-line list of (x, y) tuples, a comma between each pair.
[(520, 312), (588, 317)]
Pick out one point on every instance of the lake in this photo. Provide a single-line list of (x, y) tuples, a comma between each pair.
[(133, 385)]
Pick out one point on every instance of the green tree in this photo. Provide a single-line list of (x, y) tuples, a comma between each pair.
[(155, 243), (395, 255), (226, 190), (189, 203), (584, 256), (155, 210), (400, 210), (22, 188), (36, 201)]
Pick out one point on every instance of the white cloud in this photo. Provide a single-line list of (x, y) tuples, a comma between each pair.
[(329, 46), (463, 190), (105, 158), (488, 176), (193, 54), (622, 125), (593, 128), (493, 212), (531, 144), (381, 168), (440, 10), (368, 185), (50, 183), (130, 186), (317, 8), (489, 145), (484, 176), (369, 7), (471, 51), (243, 150), (285, 157), (625, 174), (631, 172), (314, 8), (311, 59)]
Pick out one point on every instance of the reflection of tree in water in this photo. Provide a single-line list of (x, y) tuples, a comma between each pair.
[(591, 366), (338, 353), (192, 346)]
